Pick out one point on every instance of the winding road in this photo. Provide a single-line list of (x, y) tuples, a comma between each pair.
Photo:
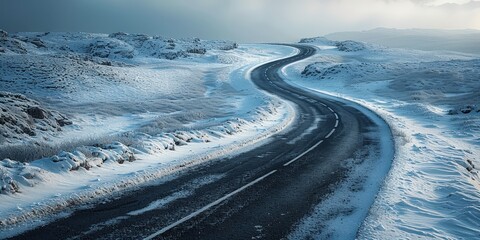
[(262, 193)]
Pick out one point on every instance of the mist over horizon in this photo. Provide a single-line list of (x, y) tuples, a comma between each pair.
[(242, 21)]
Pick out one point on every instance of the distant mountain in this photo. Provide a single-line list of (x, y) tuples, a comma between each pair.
[(467, 41)]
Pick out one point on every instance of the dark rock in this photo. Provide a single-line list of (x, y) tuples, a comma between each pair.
[(118, 35), (38, 43), (28, 130), (452, 112), (36, 112), (106, 63), (64, 122), (466, 109), (3, 34), (170, 46), (197, 50)]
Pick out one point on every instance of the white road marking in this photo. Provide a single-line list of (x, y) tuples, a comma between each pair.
[(330, 134), (336, 116), (331, 110), (203, 209), (301, 155), (323, 104), (336, 123)]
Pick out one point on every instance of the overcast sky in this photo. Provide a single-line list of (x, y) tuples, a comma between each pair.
[(240, 20)]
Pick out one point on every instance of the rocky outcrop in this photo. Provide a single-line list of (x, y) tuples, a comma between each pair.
[(467, 109), (344, 46), (110, 48), (350, 46), (21, 116)]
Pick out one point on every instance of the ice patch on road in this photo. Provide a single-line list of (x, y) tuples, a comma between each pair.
[(308, 131), (160, 203)]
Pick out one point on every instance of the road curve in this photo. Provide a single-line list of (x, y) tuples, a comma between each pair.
[(262, 193)]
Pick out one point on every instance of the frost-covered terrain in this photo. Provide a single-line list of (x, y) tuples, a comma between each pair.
[(86, 115), (431, 100)]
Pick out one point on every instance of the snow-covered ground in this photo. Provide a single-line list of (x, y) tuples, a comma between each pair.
[(84, 116), (431, 101), (133, 109)]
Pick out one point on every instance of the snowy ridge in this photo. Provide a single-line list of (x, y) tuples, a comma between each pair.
[(116, 45), (428, 100)]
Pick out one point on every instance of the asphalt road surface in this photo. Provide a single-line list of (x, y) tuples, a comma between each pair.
[(262, 193)]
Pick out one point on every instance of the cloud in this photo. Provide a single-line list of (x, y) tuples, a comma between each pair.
[(460, 6), (437, 3), (241, 20)]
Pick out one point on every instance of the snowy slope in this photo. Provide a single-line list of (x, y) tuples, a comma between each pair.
[(431, 102), (94, 83), (141, 109)]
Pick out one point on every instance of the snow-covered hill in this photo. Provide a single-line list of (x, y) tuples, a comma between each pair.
[(67, 71), (115, 45), (431, 101), (344, 46), (101, 113), (64, 65)]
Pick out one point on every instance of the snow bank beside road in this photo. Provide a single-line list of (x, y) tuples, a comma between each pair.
[(62, 183), (433, 187)]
